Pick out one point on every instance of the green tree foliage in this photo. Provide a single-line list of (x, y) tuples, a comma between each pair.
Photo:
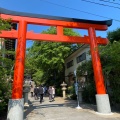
[(5, 82), (5, 70), (114, 35), (4, 24), (110, 57), (111, 64), (48, 58)]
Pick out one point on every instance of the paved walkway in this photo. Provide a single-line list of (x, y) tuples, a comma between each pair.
[(64, 110)]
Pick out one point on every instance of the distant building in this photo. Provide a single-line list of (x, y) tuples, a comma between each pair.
[(74, 60), (8, 44)]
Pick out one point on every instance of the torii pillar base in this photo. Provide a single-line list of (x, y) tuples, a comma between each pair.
[(15, 109), (103, 104)]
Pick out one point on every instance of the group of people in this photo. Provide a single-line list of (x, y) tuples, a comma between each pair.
[(40, 91)]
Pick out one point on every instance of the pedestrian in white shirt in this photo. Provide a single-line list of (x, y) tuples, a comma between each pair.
[(53, 93)]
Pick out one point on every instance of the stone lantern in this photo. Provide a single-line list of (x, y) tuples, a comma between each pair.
[(26, 90), (64, 89)]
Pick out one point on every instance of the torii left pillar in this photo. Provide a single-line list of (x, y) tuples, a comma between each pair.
[(16, 104)]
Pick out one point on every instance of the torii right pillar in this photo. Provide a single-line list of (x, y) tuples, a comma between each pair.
[(102, 99)]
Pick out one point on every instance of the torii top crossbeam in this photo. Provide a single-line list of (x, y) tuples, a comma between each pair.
[(59, 22), (23, 19)]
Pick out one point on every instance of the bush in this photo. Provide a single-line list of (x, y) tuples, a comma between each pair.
[(58, 92), (71, 93), (89, 93), (5, 93)]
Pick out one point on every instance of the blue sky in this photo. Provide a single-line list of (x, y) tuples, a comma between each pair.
[(82, 9)]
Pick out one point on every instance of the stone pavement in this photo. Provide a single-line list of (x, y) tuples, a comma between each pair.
[(62, 109)]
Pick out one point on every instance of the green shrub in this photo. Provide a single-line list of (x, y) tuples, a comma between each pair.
[(58, 91), (71, 93), (5, 93), (89, 93)]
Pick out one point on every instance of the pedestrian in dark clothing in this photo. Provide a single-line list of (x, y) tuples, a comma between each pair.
[(36, 91), (41, 93)]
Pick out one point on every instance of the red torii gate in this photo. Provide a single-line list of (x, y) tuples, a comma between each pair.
[(23, 19)]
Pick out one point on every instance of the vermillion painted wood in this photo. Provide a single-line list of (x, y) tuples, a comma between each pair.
[(17, 89), (54, 38), (99, 81)]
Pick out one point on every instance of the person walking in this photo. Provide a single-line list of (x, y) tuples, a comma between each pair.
[(41, 93), (50, 93), (45, 90), (53, 93), (31, 90), (32, 85), (36, 91)]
